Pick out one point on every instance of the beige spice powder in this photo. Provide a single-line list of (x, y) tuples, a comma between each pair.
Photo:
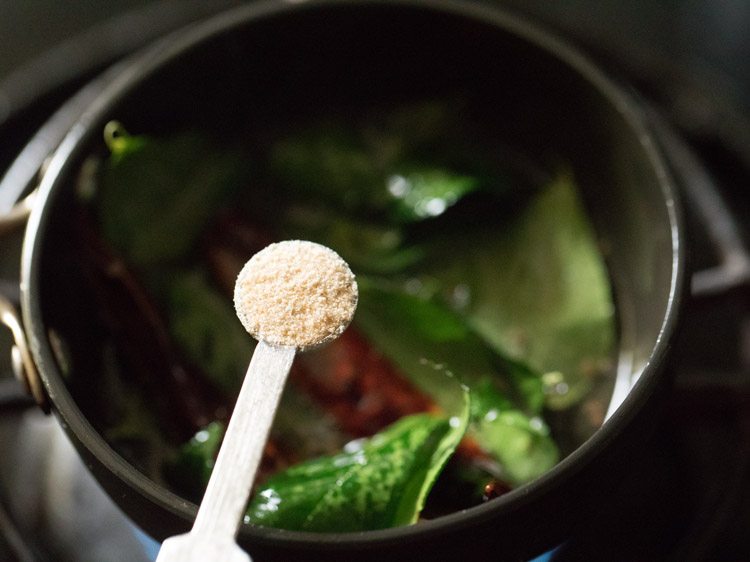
[(295, 293)]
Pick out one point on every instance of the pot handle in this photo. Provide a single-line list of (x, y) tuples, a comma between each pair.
[(19, 213), (21, 359), (713, 213)]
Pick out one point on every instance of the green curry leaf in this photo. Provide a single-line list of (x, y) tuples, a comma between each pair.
[(538, 288), (367, 246), (521, 443), (422, 337), (331, 165), (157, 195), (194, 460), (376, 483), (350, 174), (205, 327), (422, 192)]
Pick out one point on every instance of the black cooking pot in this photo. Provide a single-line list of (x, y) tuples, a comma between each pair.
[(280, 61)]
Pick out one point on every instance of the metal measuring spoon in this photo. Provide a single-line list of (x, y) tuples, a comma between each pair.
[(291, 296)]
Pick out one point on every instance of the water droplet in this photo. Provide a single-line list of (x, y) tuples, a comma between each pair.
[(398, 186)]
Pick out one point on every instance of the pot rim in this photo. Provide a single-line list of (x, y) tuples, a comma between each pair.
[(148, 61)]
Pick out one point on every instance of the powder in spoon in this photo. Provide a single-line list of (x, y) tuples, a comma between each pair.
[(295, 293)]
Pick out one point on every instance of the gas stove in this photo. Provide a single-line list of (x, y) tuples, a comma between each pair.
[(689, 499)]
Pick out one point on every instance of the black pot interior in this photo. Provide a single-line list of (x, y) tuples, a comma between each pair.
[(289, 65)]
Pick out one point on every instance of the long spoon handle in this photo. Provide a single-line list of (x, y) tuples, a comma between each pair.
[(221, 511)]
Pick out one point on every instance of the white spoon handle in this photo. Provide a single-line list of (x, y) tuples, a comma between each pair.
[(221, 511), (223, 506)]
